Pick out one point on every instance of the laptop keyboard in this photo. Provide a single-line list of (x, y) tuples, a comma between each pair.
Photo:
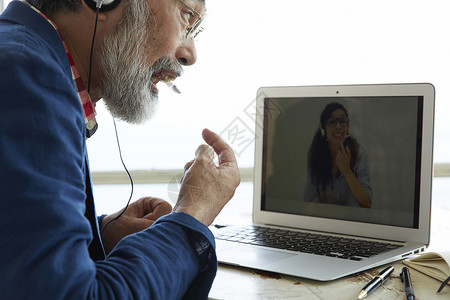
[(313, 243)]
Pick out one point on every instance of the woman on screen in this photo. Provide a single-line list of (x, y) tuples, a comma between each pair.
[(338, 169)]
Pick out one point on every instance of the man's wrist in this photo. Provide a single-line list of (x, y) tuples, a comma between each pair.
[(190, 212)]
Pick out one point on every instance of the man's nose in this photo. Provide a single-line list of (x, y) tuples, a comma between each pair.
[(187, 54)]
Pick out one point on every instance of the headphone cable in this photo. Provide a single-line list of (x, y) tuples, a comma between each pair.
[(129, 176), (114, 121)]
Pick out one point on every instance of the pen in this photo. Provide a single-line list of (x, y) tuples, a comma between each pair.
[(375, 282), (406, 279)]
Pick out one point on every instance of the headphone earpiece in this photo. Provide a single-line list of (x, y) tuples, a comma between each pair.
[(322, 131), (105, 5)]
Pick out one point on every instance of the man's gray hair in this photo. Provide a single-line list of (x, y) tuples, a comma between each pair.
[(50, 7)]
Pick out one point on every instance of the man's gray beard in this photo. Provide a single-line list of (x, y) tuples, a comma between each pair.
[(125, 86)]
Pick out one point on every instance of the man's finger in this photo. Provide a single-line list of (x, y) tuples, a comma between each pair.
[(205, 151), (153, 208), (188, 165), (224, 152)]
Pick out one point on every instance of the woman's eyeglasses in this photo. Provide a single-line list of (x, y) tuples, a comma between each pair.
[(334, 122)]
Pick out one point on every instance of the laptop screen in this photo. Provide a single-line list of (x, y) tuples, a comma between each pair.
[(344, 158)]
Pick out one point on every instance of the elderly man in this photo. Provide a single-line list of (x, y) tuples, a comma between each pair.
[(52, 73)]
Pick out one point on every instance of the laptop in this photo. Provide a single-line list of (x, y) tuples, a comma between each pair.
[(347, 168)]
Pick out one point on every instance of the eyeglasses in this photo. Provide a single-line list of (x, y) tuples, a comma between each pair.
[(193, 30), (333, 122)]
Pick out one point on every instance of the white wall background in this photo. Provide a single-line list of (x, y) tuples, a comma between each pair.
[(251, 43)]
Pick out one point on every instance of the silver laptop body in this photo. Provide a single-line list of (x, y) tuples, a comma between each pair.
[(392, 128)]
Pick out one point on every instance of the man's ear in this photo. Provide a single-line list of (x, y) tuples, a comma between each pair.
[(92, 10), (106, 5)]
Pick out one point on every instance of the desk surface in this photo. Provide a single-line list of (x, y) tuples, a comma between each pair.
[(241, 283)]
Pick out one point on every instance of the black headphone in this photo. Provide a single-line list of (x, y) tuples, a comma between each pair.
[(107, 4)]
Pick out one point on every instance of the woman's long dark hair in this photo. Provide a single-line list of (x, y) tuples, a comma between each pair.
[(319, 155)]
